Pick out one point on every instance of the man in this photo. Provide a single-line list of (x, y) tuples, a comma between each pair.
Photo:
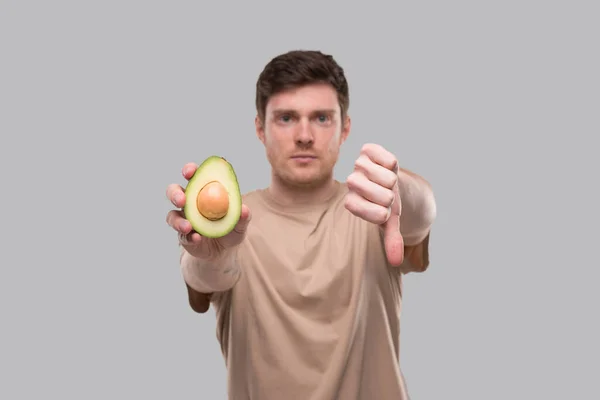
[(307, 288)]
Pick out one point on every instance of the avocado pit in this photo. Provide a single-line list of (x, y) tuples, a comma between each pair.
[(213, 201)]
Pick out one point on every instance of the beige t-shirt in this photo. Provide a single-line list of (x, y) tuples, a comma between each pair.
[(314, 313)]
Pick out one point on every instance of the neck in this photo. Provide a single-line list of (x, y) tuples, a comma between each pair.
[(289, 194)]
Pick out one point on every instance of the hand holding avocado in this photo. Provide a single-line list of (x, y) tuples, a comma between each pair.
[(211, 217)]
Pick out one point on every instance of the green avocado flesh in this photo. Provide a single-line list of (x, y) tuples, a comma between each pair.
[(212, 169)]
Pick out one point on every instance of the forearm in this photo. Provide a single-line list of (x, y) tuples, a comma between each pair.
[(418, 206), (212, 276)]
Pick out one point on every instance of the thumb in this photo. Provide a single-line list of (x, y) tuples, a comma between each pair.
[(244, 220), (392, 238)]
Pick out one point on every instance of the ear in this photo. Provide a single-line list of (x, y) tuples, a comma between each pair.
[(345, 129), (260, 131)]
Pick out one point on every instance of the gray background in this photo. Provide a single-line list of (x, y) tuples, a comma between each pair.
[(101, 104)]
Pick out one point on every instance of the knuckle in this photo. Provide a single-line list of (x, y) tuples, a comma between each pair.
[(173, 192), (171, 218), (360, 161), (382, 214), (350, 180), (367, 148), (390, 197), (177, 221), (391, 179), (353, 180), (189, 168), (177, 196), (350, 204), (170, 189)]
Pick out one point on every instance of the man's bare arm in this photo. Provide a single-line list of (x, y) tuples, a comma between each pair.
[(418, 214), (205, 277), (418, 208), (416, 257), (199, 302)]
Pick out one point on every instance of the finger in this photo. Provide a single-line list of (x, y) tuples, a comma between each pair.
[(190, 239), (378, 154), (375, 193), (176, 194), (393, 241), (189, 170), (375, 172), (244, 220), (365, 209), (177, 221)]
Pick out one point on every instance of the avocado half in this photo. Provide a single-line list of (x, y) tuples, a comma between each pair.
[(213, 200)]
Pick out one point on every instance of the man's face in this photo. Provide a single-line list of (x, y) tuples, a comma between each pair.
[(302, 134)]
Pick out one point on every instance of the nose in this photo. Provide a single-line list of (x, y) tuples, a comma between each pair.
[(303, 134)]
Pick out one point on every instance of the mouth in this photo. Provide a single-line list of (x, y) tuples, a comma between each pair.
[(304, 156)]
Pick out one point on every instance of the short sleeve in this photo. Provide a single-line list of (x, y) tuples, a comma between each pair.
[(416, 257)]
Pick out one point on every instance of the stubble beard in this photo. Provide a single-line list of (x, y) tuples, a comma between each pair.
[(318, 176), (284, 174)]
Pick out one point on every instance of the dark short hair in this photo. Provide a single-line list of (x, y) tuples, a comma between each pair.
[(298, 68)]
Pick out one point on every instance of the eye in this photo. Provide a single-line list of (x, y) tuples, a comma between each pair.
[(323, 118), (285, 118)]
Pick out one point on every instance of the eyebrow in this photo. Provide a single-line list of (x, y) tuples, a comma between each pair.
[(280, 111)]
